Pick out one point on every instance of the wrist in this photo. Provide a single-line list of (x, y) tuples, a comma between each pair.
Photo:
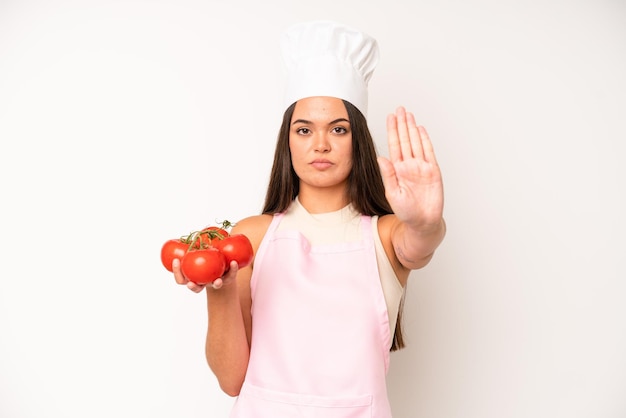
[(426, 229)]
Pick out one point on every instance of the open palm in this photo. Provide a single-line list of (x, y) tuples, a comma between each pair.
[(411, 175)]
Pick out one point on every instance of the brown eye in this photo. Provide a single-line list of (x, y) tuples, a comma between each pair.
[(303, 131)]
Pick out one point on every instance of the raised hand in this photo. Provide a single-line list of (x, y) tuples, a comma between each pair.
[(411, 175)]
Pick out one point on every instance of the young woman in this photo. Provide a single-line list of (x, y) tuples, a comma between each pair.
[(307, 328)]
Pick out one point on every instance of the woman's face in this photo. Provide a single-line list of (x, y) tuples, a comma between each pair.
[(320, 140)]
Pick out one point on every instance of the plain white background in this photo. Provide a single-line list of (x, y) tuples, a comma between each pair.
[(126, 123)]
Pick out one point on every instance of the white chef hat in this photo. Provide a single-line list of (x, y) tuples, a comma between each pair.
[(325, 58)]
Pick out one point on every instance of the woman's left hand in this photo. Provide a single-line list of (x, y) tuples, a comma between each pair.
[(411, 175)]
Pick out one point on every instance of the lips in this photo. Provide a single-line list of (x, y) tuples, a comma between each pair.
[(321, 164)]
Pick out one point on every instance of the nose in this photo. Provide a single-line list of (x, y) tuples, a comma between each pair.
[(321, 143)]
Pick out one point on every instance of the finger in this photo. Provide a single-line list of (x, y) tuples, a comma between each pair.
[(233, 268), (414, 134), (427, 145), (178, 274), (230, 276), (195, 287), (393, 140), (403, 134)]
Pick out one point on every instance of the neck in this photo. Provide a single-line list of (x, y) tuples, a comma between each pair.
[(322, 200)]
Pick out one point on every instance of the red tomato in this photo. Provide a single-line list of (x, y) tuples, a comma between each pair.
[(235, 247), (203, 266), (204, 238), (173, 248), (216, 231)]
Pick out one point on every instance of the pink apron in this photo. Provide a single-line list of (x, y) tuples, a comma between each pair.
[(320, 340)]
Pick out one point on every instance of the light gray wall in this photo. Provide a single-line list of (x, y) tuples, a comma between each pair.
[(123, 124)]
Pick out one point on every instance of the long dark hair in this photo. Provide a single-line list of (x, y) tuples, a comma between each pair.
[(365, 184)]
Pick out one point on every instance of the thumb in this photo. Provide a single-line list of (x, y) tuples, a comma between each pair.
[(388, 173)]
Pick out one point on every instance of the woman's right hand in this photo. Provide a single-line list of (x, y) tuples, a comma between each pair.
[(227, 279)]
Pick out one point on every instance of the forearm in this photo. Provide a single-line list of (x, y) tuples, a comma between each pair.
[(227, 349), (415, 245)]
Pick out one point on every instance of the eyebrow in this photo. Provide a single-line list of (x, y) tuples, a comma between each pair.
[(308, 122)]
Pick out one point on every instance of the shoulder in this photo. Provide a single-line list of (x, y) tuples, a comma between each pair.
[(253, 223), (386, 224)]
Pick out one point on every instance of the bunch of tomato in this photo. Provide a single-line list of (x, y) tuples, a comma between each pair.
[(205, 255)]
